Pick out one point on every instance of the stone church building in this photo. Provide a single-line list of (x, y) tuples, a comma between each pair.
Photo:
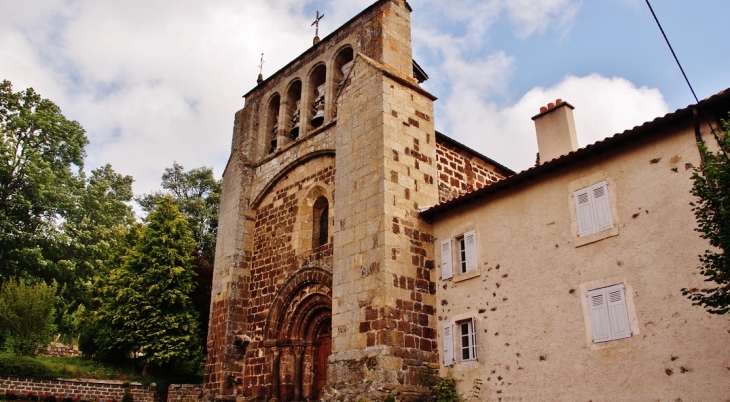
[(338, 220)]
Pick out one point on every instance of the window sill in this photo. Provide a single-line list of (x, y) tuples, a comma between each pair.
[(468, 275), (592, 238)]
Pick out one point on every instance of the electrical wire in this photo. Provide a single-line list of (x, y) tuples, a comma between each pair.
[(676, 59)]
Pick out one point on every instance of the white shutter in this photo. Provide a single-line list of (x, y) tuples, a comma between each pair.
[(473, 339), (448, 344), (601, 206), (584, 212), (600, 322), (470, 246), (447, 269), (617, 312)]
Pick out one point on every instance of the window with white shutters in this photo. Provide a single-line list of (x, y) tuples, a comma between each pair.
[(593, 209), (609, 314), (465, 247)]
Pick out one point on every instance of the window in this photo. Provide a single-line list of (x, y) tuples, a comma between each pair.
[(467, 255), (609, 314), (466, 341), (593, 209), (320, 222)]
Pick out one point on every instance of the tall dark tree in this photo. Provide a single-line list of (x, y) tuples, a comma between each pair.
[(712, 211), (197, 194), (147, 306), (41, 155)]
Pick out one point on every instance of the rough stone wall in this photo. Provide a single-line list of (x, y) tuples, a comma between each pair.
[(185, 393), (282, 245), (383, 294), (57, 349), (84, 388), (459, 171)]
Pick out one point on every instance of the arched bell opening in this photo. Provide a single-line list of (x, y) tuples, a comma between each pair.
[(342, 67), (272, 122), (293, 102), (317, 89)]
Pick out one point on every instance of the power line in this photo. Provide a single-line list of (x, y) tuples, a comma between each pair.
[(672, 50)]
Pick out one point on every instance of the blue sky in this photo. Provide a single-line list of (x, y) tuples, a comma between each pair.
[(155, 82)]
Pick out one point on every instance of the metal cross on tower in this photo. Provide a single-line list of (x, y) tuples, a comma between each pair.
[(261, 70), (316, 25)]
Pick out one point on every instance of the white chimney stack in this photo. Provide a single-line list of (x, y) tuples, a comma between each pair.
[(555, 130)]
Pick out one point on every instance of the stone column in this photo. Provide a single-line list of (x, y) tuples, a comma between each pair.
[(275, 374), (298, 369)]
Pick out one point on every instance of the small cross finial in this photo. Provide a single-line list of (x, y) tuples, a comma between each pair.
[(261, 70), (316, 25)]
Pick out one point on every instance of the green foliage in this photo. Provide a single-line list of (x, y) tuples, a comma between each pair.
[(56, 224), (127, 397), (23, 366), (197, 195), (446, 390), (145, 305), (26, 314), (40, 150), (476, 390), (712, 212)]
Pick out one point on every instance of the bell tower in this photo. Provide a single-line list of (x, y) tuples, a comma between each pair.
[(323, 284)]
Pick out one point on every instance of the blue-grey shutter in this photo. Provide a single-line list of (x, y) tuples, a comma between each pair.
[(470, 246), (618, 312), (600, 322), (584, 212), (448, 344), (447, 269), (601, 206)]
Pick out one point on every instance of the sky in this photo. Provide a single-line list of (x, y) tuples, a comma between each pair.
[(155, 82)]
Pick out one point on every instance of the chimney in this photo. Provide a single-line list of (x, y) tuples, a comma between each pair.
[(555, 129)]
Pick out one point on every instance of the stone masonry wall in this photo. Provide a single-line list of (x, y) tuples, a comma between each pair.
[(185, 393), (282, 239), (84, 388), (460, 172), (384, 294)]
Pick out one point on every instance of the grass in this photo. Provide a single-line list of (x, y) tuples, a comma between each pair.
[(84, 367)]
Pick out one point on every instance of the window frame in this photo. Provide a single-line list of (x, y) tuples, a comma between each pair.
[(471, 349), (593, 210), (466, 258), (453, 345), (609, 313)]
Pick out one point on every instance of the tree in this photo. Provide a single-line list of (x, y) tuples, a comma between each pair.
[(41, 153), (197, 194), (146, 306), (95, 228), (26, 315), (712, 212)]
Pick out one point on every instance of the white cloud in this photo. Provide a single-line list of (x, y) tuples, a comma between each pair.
[(603, 107), (155, 82)]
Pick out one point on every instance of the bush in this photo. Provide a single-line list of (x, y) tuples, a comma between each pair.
[(26, 314), (21, 366), (127, 397)]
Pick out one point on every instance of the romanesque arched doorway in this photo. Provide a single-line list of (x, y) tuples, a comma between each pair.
[(299, 335)]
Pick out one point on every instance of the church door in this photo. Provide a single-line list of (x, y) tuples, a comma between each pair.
[(324, 348)]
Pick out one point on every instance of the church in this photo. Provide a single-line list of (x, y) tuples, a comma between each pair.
[(361, 254)]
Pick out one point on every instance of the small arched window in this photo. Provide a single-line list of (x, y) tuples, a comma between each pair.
[(320, 222)]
